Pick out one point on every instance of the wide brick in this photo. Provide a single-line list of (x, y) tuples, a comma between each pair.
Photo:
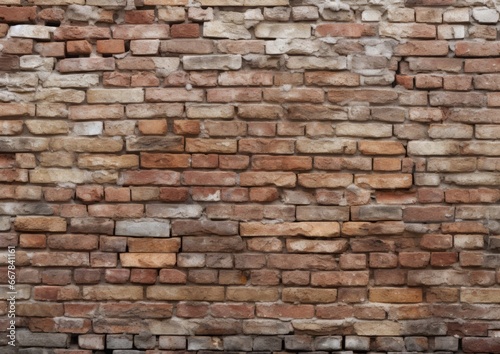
[(148, 260), (301, 261), (231, 95), (173, 211), (112, 292), (293, 95), (283, 163), (86, 64), (396, 295), (173, 95), (312, 246), (30, 31), (212, 62), (115, 95), (18, 14), (367, 95), (159, 31), (279, 30), (428, 213), (403, 30), (204, 227), (185, 293), (278, 179), (335, 278), (60, 259), (252, 294), (284, 311), (324, 180), (345, 30), (17, 46), (309, 229), (302, 62), (423, 48), (267, 146), (150, 143), (40, 223), (384, 181)]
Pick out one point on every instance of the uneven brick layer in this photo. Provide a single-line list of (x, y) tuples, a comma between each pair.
[(250, 176)]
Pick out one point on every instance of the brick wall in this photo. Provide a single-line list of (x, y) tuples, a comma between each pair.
[(250, 175)]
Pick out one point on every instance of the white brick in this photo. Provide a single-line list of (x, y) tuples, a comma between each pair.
[(72, 80), (212, 62), (333, 63), (143, 227), (283, 30), (457, 15), (423, 148), (88, 128), (31, 31), (219, 29), (485, 15)]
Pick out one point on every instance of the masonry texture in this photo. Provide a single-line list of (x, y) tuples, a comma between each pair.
[(250, 176)]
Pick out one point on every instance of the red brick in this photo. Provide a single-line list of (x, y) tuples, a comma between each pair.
[(414, 259), (81, 32), (159, 160), (172, 276), (185, 30), (232, 310), (116, 79), (263, 194), (182, 127), (281, 163), (205, 160), (209, 178), (117, 210), (436, 242), (18, 14), (192, 309), (233, 162), (428, 213), (87, 276), (345, 30), (284, 311), (143, 276), (140, 16), (234, 194), (174, 194), (117, 276), (443, 259), (33, 240), (78, 47), (234, 95), (206, 194), (265, 277)]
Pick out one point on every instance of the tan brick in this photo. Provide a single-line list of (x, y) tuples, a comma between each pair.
[(479, 295), (325, 180), (40, 223), (148, 260), (252, 294), (112, 292), (185, 293), (396, 295)]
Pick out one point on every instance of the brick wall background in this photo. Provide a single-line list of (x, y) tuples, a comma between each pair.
[(250, 175)]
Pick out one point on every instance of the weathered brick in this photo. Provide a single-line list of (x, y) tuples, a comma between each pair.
[(345, 30), (185, 293), (214, 62)]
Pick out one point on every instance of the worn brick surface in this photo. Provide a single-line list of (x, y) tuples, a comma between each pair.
[(250, 175)]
